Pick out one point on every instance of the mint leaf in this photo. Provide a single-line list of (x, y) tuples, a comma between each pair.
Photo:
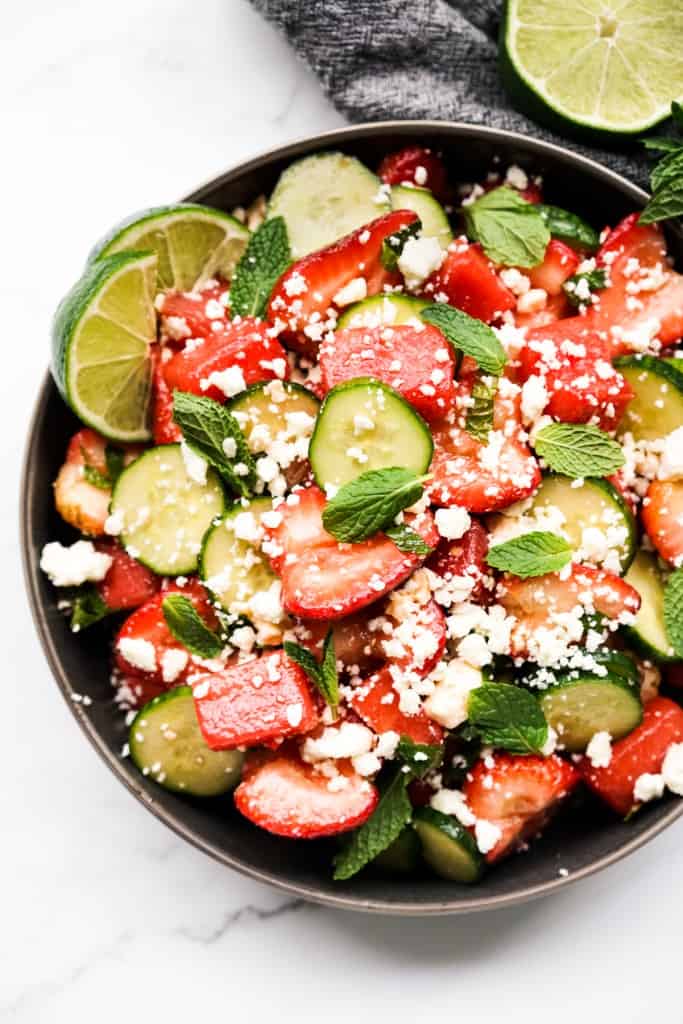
[(421, 758), (87, 608), (533, 554), (662, 143), (668, 170), (189, 629), (408, 540), (568, 227), (666, 179), (511, 230), (468, 335), (206, 425), (265, 258), (392, 246), (673, 611), (580, 294), (370, 503), (479, 420), (578, 450), (677, 113), (392, 813), (508, 717), (322, 674)]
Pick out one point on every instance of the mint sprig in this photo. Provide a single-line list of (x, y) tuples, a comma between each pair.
[(511, 230), (114, 459), (533, 554), (87, 608), (392, 813), (666, 179), (578, 450), (420, 758), (673, 611), (508, 717), (467, 335), (206, 425), (323, 674), (392, 246), (189, 629), (370, 503), (408, 540), (264, 260), (479, 419)]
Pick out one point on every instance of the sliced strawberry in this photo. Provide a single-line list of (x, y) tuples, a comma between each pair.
[(617, 480), (642, 751), (303, 298), (418, 640), (356, 646), (518, 795), (281, 794), (389, 354), (83, 504), (323, 579), (468, 280), (184, 315), (559, 263), (128, 584), (532, 193), (164, 429), (465, 557), (377, 703), (415, 165), (662, 514), (244, 345)]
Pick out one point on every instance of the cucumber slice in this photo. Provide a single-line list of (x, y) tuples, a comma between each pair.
[(340, 452), (403, 856), (447, 847), (578, 708), (596, 503), (324, 197), (432, 214), (657, 408), (380, 310), (165, 513), (648, 633), (166, 743), (275, 407), (233, 569)]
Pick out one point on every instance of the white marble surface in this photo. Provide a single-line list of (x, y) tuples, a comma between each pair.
[(104, 914)]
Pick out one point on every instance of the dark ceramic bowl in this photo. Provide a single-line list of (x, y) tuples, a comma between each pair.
[(584, 838)]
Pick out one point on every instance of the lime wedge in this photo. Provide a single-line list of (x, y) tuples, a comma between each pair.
[(192, 243), (101, 338), (604, 66)]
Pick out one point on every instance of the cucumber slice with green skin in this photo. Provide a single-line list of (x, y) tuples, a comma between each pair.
[(324, 197), (569, 228), (166, 743), (165, 513), (233, 570), (383, 310), (647, 635), (403, 856), (340, 451), (434, 218), (268, 406), (596, 503), (578, 708), (447, 847), (657, 408)]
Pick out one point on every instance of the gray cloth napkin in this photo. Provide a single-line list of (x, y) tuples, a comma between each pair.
[(416, 58)]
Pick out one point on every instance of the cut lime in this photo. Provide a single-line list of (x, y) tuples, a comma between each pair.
[(193, 243), (101, 338), (609, 66)]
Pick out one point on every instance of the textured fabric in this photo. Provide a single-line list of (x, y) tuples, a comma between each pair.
[(416, 58)]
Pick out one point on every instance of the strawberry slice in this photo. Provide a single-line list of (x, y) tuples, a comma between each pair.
[(377, 703), (465, 557), (266, 698), (80, 502), (559, 263), (324, 579), (662, 514), (415, 165), (519, 795), (356, 646), (244, 346), (196, 314), (388, 354), (642, 751), (303, 299), (468, 280), (128, 583), (282, 795), (164, 429), (419, 637)]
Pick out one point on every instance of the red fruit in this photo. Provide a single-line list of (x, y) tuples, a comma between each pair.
[(642, 751), (164, 429), (83, 504), (377, 703), (355, 644), (468, 281), (128, 584), (532, 193), (401, 168), (662, 514), (518, 795), (559, 264), (281, 794), (425, 644), (245, 344), (324, 579), (303, 297), (267, 698), (617, 480), (418, 363), (465, 557), (194, 314)]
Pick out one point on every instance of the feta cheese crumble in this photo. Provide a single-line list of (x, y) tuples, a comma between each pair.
[(71, 566)]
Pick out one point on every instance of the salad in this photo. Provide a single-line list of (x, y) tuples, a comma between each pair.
[(379, 488)]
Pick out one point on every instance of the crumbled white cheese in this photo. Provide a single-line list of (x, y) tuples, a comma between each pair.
[(487, 835), (230, 381), (447, 705), (452, 522), (599, 750), (355, 291), (71, 566), (671, 462), (648, 787), (535, 397), (452, 801), (195, 466), (114, 523), (173, 662), (349, 739), (139, 653), (516, 177), (420, 258)]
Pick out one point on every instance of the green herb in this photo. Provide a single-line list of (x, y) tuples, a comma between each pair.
[(479, 421), (392, 813), (578, 450), (666, 179), (392, 246), (673, 611), (468, 335), (323, 674), (95, 478), (408, 540), (421, 758), (115, 462), (370, 503), (265, 258), (189, 629), (87, 608), (595, 280), (662, 143), (206, 425), (568, 227), (533, 554), (508, 717), (511, 230)]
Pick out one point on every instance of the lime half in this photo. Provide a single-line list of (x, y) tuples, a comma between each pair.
[(610, 66), (192, 243), (101, 338)]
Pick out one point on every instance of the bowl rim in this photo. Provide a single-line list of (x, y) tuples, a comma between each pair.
[(400, 907)]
